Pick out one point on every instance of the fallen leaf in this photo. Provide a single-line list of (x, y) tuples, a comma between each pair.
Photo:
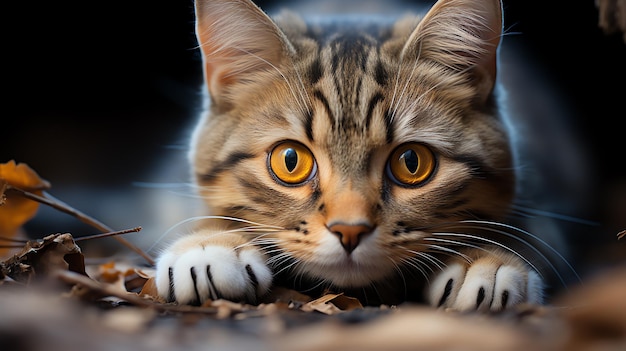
[(15, 210), (41, 258), (149, 290), (332, 304), (346, 303), (20, 175), (290, 296)]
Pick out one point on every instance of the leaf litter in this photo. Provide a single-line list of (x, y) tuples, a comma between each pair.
[(48, 290)]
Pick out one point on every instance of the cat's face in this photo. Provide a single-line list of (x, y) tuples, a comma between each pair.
[(356, 143)]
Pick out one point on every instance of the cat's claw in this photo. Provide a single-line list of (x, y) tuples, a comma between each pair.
[(489, 283), (212, 272)]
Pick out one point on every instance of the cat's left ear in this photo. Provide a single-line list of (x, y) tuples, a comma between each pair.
[(462, 34)]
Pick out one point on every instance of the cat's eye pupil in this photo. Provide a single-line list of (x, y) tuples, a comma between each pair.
[(291, 163), (410, 160), (291, 159), (411, 164)]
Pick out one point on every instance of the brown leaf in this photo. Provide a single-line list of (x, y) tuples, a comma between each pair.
[(91, 290), (124, 276), (346, 303), (149, 290), (332, 304), (282, 294), (41, 258)]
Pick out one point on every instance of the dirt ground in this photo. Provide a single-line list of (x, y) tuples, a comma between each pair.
[(95, 308)]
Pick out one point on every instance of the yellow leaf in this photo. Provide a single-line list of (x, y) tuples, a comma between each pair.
[(20, 175), (15, 210)]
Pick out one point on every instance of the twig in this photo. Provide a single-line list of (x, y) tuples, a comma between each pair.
[(621, 234), (112, 290), (104, 235), (58, 205)]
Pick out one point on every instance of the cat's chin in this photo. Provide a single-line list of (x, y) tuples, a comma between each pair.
[(347, 272), (332, 264)]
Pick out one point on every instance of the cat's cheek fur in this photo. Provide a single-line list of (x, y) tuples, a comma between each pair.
[(487, 284), (212, 271)]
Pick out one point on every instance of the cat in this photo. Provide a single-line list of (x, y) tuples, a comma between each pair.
[(358, 156)]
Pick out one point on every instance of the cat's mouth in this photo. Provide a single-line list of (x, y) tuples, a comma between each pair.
[(357, 268)]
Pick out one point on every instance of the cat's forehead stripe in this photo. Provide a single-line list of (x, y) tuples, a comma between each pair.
[(321, 98)]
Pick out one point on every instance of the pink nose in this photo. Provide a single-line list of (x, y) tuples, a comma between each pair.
[(350, 235)]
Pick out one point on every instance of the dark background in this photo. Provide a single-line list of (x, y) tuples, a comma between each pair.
[(99, 98)]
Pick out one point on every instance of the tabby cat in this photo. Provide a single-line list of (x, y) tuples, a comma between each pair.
[(358, 156)]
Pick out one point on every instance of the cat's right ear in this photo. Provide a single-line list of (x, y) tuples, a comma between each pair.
[(238, 42), (463, 35)]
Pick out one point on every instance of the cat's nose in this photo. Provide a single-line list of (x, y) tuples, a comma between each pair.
[(350, 234)]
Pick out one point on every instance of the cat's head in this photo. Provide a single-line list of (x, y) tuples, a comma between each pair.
[(355, 142)]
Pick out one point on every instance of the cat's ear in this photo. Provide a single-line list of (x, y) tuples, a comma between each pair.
[(462, 34), (238, 41)]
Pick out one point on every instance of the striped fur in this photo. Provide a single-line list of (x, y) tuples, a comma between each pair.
[(351, 93)]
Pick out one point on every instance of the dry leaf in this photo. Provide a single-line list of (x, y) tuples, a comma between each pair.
[(290, 296), (40, 258), (126, 277), (20, 175), (332, 304), (149, 289), (346, 303), (16, 210)]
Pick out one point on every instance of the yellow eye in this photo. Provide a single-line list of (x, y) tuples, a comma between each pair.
[(291, 162), (411, 164)]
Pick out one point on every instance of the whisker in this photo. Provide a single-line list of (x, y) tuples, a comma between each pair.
[(435, 261), (200, 218), (278, 260), (397, 268), (254, 241), (272, 251), (563, 217), (500, 245), (515, 233), (448, 251), (373, 287), (418, 265), (528, 234), (312, 288), (395, 91), (395, 109), (303, 91)]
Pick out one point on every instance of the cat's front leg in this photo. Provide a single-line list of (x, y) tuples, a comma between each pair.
[(210, 264), (494, 280)]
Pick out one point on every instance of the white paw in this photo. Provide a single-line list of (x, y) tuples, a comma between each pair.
[(212, 272), (490, 283)]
